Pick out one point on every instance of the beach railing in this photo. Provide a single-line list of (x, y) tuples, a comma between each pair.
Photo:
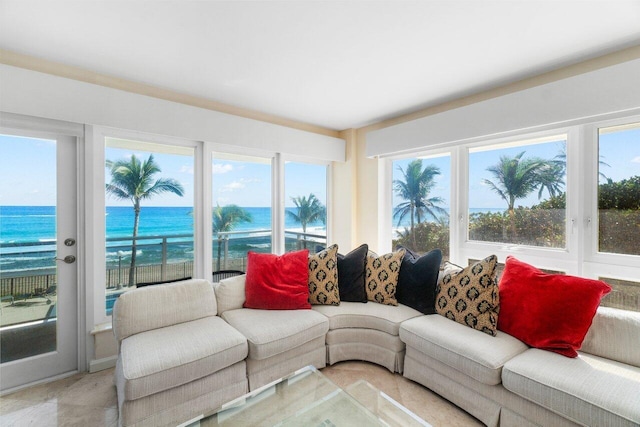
[(24, 282)]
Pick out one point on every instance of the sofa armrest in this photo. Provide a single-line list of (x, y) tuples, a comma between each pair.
[(156, 307)]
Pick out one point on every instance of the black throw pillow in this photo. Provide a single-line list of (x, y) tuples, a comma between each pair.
[(418, 279), (351, 272)]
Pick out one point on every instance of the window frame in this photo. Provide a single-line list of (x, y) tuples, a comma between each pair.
[(282, 161), (547, 258), (96, 205), (204, 151), (580, 256), (386, 216), (598, 262)]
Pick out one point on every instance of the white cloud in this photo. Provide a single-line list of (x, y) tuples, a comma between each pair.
[(218, 168), (235, 185), (635, 159), (187, 169)]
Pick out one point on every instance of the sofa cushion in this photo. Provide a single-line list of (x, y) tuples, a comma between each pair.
[(471, 352), (230, 293), (323, 277), (470, 296), (418, 279), (164, 358), (172, 407), (381, 276), (351, 271), (358, 336), (548, 311), (277, 282), (385, 318), (155, 307), (589, 390), (614, 334), (272, 332)]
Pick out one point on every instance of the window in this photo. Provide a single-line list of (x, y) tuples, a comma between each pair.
[(305, 206), (241, 211), (149, 214), (619, 189), (420, 194), (517, 193)]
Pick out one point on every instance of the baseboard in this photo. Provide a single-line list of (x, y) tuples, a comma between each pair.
[(102, 364)]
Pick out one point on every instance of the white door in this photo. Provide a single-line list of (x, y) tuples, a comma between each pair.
[(38, 250)]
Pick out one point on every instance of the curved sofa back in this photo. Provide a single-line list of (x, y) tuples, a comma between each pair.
[(158, 306), (615, 335)]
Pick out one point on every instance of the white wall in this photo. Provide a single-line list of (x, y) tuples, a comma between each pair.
[(43, 95), (569, 101)]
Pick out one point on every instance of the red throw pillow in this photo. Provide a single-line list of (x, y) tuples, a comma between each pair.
[(547, 311), (277, 282)]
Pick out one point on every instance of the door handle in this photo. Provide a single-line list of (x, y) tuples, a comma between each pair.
[(69, 259)]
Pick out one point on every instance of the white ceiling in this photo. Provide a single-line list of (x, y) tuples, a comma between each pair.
[(336, 64)]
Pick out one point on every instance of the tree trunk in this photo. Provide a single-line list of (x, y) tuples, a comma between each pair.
[(136, 221), (413, 234), (304, 235), (512, 221)]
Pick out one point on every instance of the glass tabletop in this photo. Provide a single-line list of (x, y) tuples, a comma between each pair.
[(308, 398), (385, 408)]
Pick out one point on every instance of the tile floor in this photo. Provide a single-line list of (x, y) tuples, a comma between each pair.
[(90, 399)]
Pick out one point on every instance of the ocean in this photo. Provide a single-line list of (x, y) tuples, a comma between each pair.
[(22, 225)]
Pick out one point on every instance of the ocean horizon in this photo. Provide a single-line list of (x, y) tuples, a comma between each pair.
[(36, 224)]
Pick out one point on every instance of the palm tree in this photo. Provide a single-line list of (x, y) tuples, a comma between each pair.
[(309, 210), (516, 177), (414, 188), (134, 180), (225, 219), (561, 158)]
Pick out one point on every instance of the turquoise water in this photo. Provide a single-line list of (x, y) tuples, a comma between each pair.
[(27, 224), (21, 224)]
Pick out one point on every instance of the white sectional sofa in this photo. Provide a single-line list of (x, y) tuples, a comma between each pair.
[(176, 357), (499, 380)]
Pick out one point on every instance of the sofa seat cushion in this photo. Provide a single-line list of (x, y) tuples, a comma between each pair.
[(589, 390), (271, 332), (385, 318), (467, 350), (160, 359)]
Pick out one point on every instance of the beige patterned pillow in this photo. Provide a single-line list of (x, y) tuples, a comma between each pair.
[(381, 277), (323, 277), (470, 297)]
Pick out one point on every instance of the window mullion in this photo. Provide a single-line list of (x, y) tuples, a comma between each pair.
[(277, 203)]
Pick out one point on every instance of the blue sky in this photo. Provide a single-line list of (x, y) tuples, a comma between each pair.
[(27, 171), (249, 184), (620, 150), (243, 183)]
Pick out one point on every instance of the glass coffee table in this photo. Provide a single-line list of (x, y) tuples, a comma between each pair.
[(308, 398)]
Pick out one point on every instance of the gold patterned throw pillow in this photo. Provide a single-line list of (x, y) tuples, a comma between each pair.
[(381, 277), (470, 297), (323, 277)]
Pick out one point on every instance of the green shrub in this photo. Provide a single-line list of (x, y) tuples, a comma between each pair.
[(428, 236)]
